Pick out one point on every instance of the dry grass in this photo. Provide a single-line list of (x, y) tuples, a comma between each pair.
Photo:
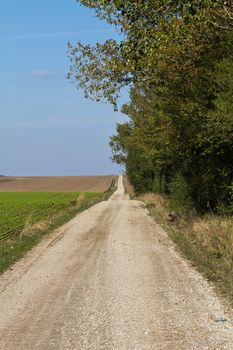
[(56, 184), (153, 199), (207, 241), (127, 185), (215, 229)]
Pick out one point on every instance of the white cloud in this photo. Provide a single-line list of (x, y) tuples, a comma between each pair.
[(40, 73), (51, 35)]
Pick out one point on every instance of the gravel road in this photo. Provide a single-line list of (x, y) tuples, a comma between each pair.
[(110, 279)]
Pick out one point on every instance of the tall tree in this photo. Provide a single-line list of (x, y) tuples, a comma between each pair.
[(172, 55)]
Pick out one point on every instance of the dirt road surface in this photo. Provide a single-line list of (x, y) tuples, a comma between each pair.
[(110, 279)]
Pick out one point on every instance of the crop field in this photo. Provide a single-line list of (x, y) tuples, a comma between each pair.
[(56, 184), (28, 201), (19, 210)]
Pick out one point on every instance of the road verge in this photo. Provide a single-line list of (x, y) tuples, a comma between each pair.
[(207, 241)]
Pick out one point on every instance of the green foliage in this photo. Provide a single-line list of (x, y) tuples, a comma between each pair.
[(185, 130), (231, 198), (176, 56), (179, 192), (154, 32)]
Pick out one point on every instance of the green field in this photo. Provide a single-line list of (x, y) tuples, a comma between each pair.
[(21, 210), (26, 217)]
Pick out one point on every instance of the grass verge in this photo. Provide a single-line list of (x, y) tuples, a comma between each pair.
[(14, 249), (205, 240)]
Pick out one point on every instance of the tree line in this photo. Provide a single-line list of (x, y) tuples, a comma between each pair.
[(176, 57)]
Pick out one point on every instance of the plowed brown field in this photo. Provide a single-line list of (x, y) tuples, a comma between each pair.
[(56, 184)]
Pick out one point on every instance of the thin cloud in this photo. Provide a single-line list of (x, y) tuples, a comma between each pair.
[(49, 122), (40, 73), (50, 35)]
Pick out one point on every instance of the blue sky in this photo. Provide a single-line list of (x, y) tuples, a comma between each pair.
[(46, 126)]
